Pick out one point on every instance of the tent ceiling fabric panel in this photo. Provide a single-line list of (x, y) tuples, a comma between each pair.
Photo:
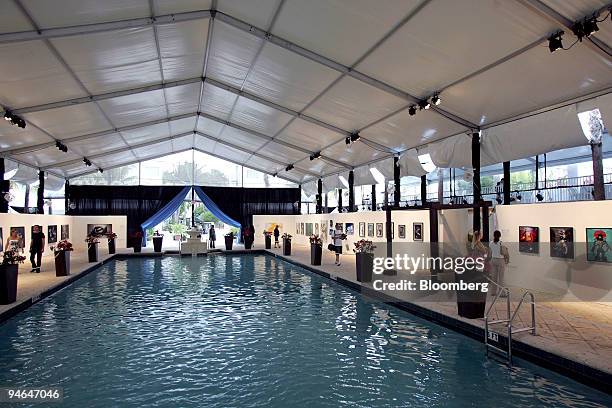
[(12, 19), (131, 109), (281, 152), (97, 145), (112, 60), (32, 75), (455, 151), (117, 159), (70, 121), (231, 153), (182, 125), (353, 155), (180, 6), (311, 188), (263, 164), (254, 115), (351, 105), (231, 54), (217, 102), (13, 137), (182, 99), (204, 143), (332, 182), (362, 176), (402, 131), (45, 157), (256, 12), (182, 46), (345, 29), (410, 165), (307, 135), (421, 60), (210, 127), (181, 143), (287, 79), (318, 166), (385, 167), (240, 138), (545, 79)]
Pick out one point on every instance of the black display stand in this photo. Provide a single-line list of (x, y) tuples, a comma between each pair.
[(157, 243), (316, 252), (92, 252), (111, 246), (62, 263), (229, 242), (471, 303), (8, 284), (268, 242), (364, 263), (286, 246)]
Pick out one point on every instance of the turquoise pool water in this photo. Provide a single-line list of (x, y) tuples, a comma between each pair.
[(246, 331)]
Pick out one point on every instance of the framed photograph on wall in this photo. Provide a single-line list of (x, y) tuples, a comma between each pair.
[(301, 228), (21, 236), (52, 234), (316, 227), (350, 228), (370, 229), (297, 228), (362, 231), (562, 242), (529, 239), (417, 231), (401, 231), (65, 232), (599, 248), (1, 241), (379, 229), (99, 230)]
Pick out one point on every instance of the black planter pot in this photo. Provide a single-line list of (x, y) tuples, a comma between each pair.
[(8, 284), (92, 252), (248, 243), (157, 243), (268, 242), (137, 248), (364, 263), (471, 303), (229, 243), (286, 246), (316, 251), (62, 263), (111, 246)]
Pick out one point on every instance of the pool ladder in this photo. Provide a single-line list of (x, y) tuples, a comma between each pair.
[(493, 336)]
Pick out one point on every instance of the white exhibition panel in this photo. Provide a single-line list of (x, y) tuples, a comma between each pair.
[(77, 226)]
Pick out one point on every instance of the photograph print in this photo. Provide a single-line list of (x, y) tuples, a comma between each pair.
[(598, 244), (417, 231), (529, 238), (20, 236), (362, 231), (562, 242), (350, 228), (65, 232), (401, 231), (52, 234), (370, 229), (99, 230), (379, 229)]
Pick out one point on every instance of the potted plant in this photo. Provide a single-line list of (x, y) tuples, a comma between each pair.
[(229, 240), (286, 244), (364, 260), (92, 248), (8, 276), (61, 251), (111, 236), (157, 241), (316, 250), (268, 238), (137, 239)]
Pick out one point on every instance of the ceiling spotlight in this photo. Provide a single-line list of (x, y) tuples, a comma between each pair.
[(539, 196), (412, 110), (14, 119), (274, 175), (61, 147), (424, 105), (590, 26), (101, 170), (7, 115), (315, 155), (347, 140), (355, 137), (436, 99), (86, 161), (554, 42), (289, 167)]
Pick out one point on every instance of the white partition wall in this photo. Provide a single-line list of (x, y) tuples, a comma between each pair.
[(77, 226)]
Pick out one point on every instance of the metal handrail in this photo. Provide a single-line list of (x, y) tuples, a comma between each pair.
[(488, 311), (533, 324)]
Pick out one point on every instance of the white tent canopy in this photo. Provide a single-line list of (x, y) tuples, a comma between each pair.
[(269, 83)]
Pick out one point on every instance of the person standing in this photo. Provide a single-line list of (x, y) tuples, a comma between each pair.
[(499, 260), (212, 236), (37, 247), (338, 237), (276, 235)]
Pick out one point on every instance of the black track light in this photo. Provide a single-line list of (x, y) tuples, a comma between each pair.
[(435, 99), (554, 42), (412, 110), (86, 161), (424, 105), (101, 170), (590, 26), (7, 115), (315, 155), (61, 147), (539, 196), (14, 119), (289, 167), (347, 140), (355, 137)]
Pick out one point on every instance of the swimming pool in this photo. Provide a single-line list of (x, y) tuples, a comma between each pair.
[(249, 331)]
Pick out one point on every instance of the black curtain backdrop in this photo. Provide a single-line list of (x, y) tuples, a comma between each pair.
[(139, 203), (241, 204)]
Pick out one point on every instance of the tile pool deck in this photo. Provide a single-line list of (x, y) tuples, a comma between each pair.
[(574, 338)]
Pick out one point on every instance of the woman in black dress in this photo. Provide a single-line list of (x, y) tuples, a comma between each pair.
[(37, 247)]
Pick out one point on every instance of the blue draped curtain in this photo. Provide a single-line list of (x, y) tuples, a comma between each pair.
[(214, 209), (165, 212)]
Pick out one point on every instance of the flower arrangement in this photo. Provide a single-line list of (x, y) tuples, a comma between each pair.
[(12, 258), (316, 240), (92, 239), (230, 234), (63, 245), (111, 236), (286, 236), (267, 233), (364, 246)]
